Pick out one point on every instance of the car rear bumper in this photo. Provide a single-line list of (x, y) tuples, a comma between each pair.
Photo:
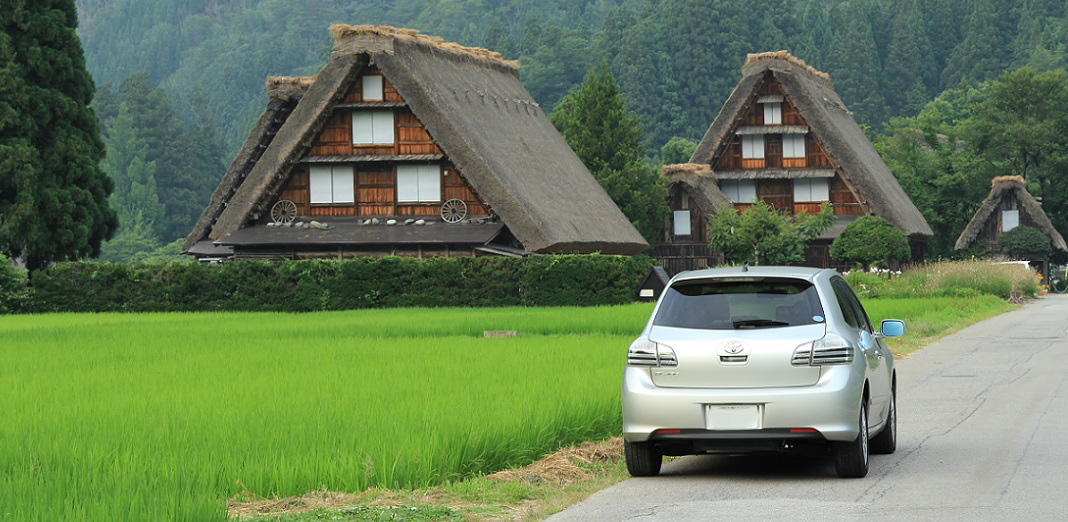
[(830, 408)]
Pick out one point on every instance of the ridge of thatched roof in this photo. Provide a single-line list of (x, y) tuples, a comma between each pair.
[(288, 87), (698, 180), (1000, 187), (364, 38), (848, 149), (483, 119), (754, 58)]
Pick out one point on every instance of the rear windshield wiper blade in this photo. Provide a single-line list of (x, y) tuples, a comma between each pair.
[(758, 323)]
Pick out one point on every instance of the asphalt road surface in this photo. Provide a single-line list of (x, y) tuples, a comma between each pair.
[(982, 435)]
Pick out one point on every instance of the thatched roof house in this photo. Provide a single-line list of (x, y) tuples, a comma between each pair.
[(406, 128), (1008, 205), (785, 136)]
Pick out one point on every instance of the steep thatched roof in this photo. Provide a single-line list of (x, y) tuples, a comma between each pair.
[(698, 180), (1001, 187), (284, 93), (473, 104), (833, 126)]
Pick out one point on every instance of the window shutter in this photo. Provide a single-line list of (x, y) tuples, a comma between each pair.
[(322, 183), (383, 128), (372, 128), (429, 182), (773, 113), (752, 146), (793, 146), (362, 133), (407, 183), (343, 187)]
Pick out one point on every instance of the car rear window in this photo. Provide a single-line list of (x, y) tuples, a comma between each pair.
[(737, 304)]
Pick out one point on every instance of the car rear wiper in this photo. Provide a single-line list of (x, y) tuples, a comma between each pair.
[(757, 323)]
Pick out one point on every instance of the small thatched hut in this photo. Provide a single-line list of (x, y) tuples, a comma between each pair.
[(1008, 206), (404, 144), (784, 136)]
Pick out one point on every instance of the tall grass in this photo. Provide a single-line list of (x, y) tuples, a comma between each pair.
[(949, 279), (164, 416)]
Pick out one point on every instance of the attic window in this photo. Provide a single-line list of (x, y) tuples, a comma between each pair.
[(739, 190), (332, 185), (418, 183), (373, 89), (682, 222), (372, 128), (773, 113), (1010, 219)]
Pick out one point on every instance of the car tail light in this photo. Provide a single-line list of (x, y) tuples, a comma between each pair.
[(831, 349), (644, 352)]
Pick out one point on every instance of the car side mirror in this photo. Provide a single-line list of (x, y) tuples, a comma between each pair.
[(893, 328)]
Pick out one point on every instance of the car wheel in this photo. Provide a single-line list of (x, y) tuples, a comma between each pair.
[(886, 441), (642, 459), (851, 458)]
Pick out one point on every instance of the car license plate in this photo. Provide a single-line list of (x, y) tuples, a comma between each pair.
[(732, 416)]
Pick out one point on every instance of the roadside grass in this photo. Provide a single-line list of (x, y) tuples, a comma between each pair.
[(930, 319), (412, 412)]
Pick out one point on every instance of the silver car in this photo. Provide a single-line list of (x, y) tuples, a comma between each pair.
[(751, 359)]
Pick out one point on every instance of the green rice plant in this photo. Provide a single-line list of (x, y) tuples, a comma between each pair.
[(164, 416)]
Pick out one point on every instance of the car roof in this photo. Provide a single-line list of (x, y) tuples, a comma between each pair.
[(799, 272)]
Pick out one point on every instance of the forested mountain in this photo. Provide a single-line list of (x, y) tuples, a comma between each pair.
[(676, 61)]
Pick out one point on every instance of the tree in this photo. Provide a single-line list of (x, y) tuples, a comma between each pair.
[(53, 194), (677, 150), (763, 235), (871, 240), (135, 199), (608, 140), (1025, 242)]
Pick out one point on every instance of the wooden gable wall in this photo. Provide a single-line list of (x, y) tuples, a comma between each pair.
[(375, 178), (778, 191)]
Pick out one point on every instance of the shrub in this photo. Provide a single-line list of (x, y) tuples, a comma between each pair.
[(1024, 242), (870, 240)]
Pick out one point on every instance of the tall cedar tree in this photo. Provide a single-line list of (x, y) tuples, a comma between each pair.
[(53, 193), (608, 140)]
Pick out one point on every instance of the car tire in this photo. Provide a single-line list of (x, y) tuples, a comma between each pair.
[(643, 460), (851, 458), (885, 442)]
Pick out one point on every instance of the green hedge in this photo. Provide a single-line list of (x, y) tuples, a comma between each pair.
[(303, 286), (14, 287)]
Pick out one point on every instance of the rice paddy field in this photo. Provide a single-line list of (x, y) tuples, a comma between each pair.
[(165, 416)]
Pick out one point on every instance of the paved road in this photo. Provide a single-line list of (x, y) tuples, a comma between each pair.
[(982, 435)]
